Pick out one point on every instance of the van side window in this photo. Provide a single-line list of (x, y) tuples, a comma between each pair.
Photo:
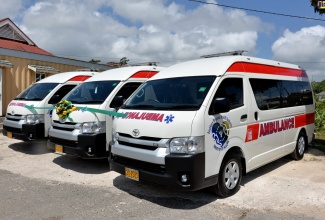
[(273, 94), (267, 93), (128, 89), (63, 91), (231, 88)]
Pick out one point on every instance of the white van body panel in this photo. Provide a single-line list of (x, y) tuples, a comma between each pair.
[(17, 107), (124, 76), (260, 130)]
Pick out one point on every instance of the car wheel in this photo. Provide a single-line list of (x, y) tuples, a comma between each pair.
[(230, 176), (300, 148)]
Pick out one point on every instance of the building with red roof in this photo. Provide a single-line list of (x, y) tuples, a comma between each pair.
[(22, 63)]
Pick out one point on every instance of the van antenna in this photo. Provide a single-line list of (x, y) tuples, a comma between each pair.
[(232, 53)]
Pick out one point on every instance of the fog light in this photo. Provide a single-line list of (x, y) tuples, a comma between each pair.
[(90, 151), (184, 178)]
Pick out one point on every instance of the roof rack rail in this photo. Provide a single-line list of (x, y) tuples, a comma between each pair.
[(232, 53), (145, 64), (87, 70)]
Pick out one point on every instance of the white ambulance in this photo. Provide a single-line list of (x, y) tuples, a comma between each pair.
[(83, 132), (29, 114), (207, 122)]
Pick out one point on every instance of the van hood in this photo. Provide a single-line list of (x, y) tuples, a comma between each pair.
[(82, 114), (155, 123), (19, 107)]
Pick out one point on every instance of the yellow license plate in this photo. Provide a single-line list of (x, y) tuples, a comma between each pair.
[(132, 174), (9, 134), (59, 149)]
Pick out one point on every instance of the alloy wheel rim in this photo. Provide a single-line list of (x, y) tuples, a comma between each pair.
[(231, 175)]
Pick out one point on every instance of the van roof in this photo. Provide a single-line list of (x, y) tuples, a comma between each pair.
[(218, 66), (125, 73), (66, 76)]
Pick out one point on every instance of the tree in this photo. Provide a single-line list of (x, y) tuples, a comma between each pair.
[(123, 61), (318, 6), (94, 61)]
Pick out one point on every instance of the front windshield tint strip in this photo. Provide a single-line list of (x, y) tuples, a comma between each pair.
[(182, 93), (94, 92), (36, 92)]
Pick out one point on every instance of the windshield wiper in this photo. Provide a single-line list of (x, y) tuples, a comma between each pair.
[(143, 106), (92, 102), (175, 107)]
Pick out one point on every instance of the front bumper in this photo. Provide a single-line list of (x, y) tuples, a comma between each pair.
[(88, 146), (169, 175), (26, 133)]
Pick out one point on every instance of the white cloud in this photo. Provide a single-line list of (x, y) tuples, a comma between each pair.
[(142, 30), (10, 9), (306, 48)]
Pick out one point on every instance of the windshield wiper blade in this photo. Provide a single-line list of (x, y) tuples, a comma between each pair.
[(143, 106), (175, 107)]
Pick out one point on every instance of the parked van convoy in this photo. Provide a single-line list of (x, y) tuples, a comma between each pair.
[(83, 132), (29, 114), (208, 122)]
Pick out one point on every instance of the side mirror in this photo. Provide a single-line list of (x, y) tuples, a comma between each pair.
[(117, 102), (220, 105), (54, 99)]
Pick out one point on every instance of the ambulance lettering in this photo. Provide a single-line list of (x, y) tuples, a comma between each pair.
[(268, 128), (149, 117), (219, 128), (20, 104)]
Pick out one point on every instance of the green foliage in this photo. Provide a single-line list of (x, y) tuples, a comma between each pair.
[(94, 61), (320, 116), (314, 3)]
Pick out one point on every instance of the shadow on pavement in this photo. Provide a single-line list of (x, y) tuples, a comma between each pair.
[(165, 197), (185, 200), (265, 169), (80, 165), (32, 147)]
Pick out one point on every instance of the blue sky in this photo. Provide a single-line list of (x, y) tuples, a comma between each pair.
[(171, 31)]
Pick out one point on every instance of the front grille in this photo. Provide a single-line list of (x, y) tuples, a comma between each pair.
[(65, 123), (14, 130), (63, 142), (11, 117), (141, 146), (140, 138), (128, 162), (63, 128)]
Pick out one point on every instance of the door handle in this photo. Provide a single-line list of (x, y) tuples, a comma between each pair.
[(243, 117), (255, 116)]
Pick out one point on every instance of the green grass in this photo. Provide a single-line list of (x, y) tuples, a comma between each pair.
[(320, 141)]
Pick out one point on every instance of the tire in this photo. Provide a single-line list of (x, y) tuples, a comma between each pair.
[(300, 148), (230, 176)]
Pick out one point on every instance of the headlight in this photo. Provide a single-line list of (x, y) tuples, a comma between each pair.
[(187, 145), (94, 127), (34, 119)]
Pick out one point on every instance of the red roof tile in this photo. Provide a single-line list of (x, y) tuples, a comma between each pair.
[(14, 45)]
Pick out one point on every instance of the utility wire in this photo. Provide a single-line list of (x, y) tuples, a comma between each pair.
[(259, 11)]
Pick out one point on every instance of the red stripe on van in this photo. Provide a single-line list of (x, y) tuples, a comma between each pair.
[(144, 74), (252, 132), (305, 119), (265, 69), (79, 78)]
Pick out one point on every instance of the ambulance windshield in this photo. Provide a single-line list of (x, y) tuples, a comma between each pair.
[(94, 92), (182, 93), (36, 92)]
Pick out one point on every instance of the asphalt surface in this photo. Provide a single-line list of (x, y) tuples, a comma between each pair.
[(37, 184)]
